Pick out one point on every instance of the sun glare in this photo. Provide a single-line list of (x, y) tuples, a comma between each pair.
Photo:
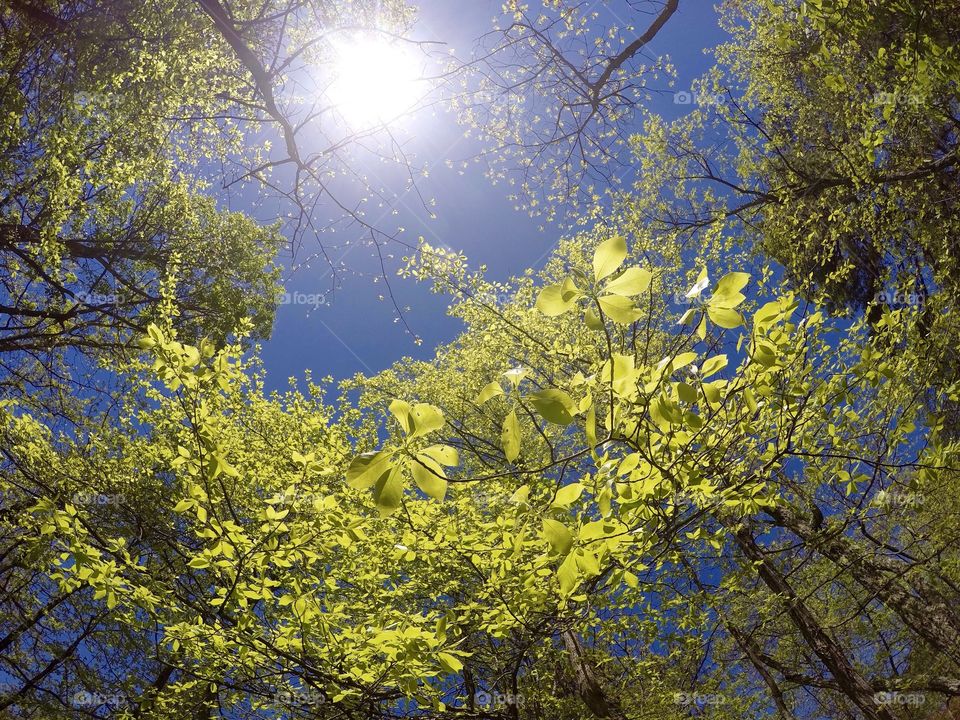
[(375, 80)]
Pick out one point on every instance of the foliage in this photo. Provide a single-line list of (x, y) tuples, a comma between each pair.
[(128, 132), (551, 92), (572, 508), (646, 481)]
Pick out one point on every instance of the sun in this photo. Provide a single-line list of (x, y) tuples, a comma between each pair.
[(375, 80)]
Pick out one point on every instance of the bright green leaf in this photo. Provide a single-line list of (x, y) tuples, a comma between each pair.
[(554, 405), (608, 257)]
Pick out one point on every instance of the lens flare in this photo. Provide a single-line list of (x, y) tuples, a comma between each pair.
[(375, 80)]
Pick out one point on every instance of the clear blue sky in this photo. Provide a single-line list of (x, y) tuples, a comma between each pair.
[(357, 332)]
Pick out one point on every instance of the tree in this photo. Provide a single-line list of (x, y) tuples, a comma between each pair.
[(552, 92), (841, 124), (636, 485), (581, 506), (829, 146), (130, 128)]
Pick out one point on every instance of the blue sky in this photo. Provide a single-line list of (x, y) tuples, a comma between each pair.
[(356, 331)]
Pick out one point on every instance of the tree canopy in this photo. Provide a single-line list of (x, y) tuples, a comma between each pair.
[(695, 466)]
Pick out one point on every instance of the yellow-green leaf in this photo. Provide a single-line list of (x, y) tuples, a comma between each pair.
[(366, 469), (443, 454), (724, 317), (713, 365), (568, 494), (490, 390), (608, 257), (619, 309), (425, 419), (427, 476), (449, 662), (554, 405), (727, 294), (631, 281), (557, 534), (388, 491), (551, 301), (510, 436)]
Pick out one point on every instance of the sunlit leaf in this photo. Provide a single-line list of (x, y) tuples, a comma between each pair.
[(608, 257), (510, 436), (631, 281), (554, 405)]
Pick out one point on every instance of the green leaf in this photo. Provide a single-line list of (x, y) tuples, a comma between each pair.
[(449, 662), (663, 412), (443, 454), (727, 294), (401, 411), (366, 469), (604, 500), (680, 361), (554, 405), (711, 392), (567, 495), (520, 495), (732, 283), (592, 320), (426, 474), (588, 563), (619, 309), (388, 491), (425, 418), (569, 290), (687, 393), (608, 257), (510, 436), (490, 390), (515, 375), (764, 355), (551, 301), (631, 281), (567, 575), (727, 301), (557, 534), (724, 317), (767, 313), (713, 365)]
